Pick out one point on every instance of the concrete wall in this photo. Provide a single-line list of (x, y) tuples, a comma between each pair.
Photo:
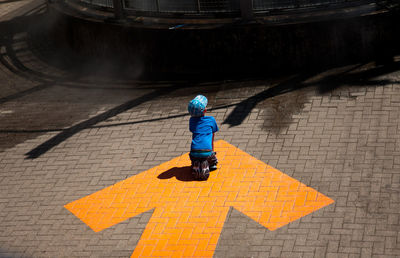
[(234, 50)]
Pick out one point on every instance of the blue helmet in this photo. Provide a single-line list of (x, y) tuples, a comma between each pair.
[(197, 106)]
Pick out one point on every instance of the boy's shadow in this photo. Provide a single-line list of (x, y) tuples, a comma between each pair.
[(181, 174)]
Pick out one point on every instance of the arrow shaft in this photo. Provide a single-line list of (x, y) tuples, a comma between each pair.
[(182, 234)]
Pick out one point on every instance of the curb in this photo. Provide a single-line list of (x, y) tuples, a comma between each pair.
[(23, 10)]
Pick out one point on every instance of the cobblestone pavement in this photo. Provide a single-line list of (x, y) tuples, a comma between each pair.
[(65, 135)]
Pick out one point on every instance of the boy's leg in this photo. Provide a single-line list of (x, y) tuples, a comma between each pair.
[(212, 161), (196, 166), (200, 167)]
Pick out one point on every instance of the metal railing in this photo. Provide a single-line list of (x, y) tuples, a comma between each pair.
[(183, 6), (205, 7), (263, 5)]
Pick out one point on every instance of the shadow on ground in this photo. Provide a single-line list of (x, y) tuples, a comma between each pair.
[(352, 76), (180, 173), (8, 254)]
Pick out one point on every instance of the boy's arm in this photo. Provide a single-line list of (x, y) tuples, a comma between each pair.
[(212, 143), (215, 129)]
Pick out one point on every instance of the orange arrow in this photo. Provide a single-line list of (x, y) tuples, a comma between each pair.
[(189, 215)]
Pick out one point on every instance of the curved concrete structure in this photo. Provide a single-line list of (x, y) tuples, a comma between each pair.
[(268, 43)]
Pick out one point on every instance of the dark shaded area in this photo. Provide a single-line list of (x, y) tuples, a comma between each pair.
[(67, 133), (234, 51), (243, 109), (25, 48), (360, 78), (7, 254), (325, 84), (25, 92), (181, 174), (8, 1), (113, 124), (29, 29), (32, 131)]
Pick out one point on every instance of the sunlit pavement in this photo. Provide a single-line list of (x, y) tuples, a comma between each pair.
[(67, 137)]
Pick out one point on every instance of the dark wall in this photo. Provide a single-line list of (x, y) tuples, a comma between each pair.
[(246, 49)]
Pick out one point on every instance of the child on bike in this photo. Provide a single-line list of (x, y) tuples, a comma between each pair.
[(203, 129)]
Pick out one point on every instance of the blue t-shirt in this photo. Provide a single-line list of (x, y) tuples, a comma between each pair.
[(202, 129)]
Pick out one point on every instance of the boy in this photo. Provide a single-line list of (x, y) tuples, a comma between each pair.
[(203, 128)]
